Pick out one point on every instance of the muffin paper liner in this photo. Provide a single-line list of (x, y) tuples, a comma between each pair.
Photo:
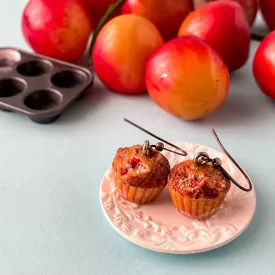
[(138, 195), (199, 209)]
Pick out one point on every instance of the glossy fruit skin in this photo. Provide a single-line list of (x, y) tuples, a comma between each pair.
[(121, 51), (96, 9), (58, 29), (267, 8), (166, 15), (222, 24), (264, 65), (250, 8), (187, 78)]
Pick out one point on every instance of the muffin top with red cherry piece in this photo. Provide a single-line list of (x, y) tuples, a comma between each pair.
[(198, 181), (132, 167)]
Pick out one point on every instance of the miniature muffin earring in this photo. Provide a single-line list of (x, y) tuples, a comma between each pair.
[(198, 187), (140, 172)]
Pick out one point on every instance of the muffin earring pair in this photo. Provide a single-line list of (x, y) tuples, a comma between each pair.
[(197, 187)]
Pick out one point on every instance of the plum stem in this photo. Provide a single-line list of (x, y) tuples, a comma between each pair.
[(111, 9), (258, 36)]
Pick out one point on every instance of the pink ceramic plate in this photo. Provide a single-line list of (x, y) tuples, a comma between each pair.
[(160, 227)]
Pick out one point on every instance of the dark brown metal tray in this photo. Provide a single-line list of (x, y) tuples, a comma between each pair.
[(39, 86)]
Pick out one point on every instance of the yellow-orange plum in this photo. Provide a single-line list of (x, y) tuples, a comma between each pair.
[(187, 78), (121, 51)]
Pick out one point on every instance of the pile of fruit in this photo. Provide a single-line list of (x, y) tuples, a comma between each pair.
[(179, 51)]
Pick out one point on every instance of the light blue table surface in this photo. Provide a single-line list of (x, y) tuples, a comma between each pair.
[(51, 222)]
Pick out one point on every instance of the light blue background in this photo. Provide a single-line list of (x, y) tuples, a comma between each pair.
[(51, 222)]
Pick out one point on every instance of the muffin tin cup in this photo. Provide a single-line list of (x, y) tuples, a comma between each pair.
[(38, 86), (8, 57)]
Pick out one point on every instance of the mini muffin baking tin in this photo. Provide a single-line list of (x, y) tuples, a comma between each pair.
[(39, 86)]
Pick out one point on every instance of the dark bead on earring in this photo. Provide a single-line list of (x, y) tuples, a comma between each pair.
[(159, 146)]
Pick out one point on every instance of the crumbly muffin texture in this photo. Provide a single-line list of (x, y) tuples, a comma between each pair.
[(131, 167), (198, 180)]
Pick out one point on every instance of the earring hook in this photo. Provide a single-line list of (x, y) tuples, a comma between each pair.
[(159, 146), (203, 157)]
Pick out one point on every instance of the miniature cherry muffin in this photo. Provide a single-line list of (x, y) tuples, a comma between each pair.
[(197, 190), (140, 178)]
